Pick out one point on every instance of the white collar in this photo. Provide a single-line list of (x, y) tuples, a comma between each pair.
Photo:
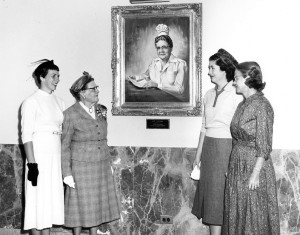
[(228, 86), (44, 93), (90, 111)]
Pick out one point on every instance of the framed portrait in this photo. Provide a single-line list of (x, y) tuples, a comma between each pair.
[(156, 60)]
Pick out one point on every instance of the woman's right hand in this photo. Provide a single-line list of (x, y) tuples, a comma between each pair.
[(131, 77), (69, 180), (150, 84)]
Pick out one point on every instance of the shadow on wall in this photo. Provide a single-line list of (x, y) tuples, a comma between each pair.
[(23, 157)]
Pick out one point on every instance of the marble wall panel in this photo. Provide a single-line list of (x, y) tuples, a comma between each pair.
[(11, 175), (152, 182)]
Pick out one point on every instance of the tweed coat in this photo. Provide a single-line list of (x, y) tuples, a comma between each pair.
[(85, 156), (84, 139)]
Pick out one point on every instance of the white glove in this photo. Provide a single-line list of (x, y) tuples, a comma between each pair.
[(69, 180), (195, 174)]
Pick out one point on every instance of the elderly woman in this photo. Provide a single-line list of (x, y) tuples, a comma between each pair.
[(165, 72), (215, 141), (90, 197), (42, 117), (251, 196)]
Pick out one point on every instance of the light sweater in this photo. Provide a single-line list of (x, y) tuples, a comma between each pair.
[(216, 120), (41, 112)]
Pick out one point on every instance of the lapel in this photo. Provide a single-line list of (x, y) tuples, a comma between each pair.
[(82, 112)]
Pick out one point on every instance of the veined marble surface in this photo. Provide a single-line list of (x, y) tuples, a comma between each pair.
[(152, 182), (155, 182)]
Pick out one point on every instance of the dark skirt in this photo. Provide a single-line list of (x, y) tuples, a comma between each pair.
[(94, 200), (209, 196)]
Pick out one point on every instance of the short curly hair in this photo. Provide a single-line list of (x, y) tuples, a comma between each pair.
[(252, 72), (164, 38), (42, 70)]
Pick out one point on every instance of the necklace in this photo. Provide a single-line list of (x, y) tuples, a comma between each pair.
[(91, 110)]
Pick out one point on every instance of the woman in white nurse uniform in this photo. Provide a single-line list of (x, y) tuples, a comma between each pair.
[(42, 117)]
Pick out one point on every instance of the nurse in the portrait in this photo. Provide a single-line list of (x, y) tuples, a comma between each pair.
[(166, 72)]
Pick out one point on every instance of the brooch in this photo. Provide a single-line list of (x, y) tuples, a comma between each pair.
[(101, 111)]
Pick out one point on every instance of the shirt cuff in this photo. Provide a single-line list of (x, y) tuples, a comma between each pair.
[(26, 138)]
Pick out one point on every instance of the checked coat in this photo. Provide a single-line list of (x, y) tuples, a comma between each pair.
[(85, 156)]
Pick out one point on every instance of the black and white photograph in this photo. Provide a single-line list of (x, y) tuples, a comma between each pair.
[(149, 117)]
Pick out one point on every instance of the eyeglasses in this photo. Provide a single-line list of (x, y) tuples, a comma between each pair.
[(162, 47), (95, 88)]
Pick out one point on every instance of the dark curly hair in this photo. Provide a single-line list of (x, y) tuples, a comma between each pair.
[(164, 38), (226, 62), (42, 70), (252, 72)]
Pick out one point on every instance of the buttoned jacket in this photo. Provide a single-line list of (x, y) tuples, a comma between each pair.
[(83, 138)]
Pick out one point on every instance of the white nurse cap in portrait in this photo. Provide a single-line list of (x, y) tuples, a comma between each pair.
[(162, 29)]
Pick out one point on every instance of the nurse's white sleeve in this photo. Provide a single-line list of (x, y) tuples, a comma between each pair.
[(28, 113)]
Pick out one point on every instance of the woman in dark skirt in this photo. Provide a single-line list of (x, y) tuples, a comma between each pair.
[(215, 141), (90, 197)]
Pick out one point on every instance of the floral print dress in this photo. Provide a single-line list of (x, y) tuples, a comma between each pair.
[(251, 211)]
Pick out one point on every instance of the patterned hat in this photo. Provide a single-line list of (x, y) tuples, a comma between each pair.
[(80, 83)]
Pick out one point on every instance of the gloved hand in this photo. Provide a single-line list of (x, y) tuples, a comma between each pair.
[(33, 173), (69, 180)]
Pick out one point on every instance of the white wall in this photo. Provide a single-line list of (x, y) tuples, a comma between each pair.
[(77, 35)]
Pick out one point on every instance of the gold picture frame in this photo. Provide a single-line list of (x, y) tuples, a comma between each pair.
[(133, 47)]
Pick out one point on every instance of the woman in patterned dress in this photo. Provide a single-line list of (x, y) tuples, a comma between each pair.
[(42, 117), (215, 141), (90, 196), (251, 196)]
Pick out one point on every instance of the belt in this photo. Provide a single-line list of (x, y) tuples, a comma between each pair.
[(56, 132), (246, 143), (52, 132)]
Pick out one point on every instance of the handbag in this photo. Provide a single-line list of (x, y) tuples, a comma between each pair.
[(195, 174)]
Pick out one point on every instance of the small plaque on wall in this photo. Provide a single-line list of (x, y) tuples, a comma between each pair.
[(158, 123)]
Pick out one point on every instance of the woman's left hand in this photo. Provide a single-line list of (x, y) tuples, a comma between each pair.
[(150, 84), (254, 180)]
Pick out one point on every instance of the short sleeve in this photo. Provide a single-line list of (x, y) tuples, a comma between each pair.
[(183, 65)]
